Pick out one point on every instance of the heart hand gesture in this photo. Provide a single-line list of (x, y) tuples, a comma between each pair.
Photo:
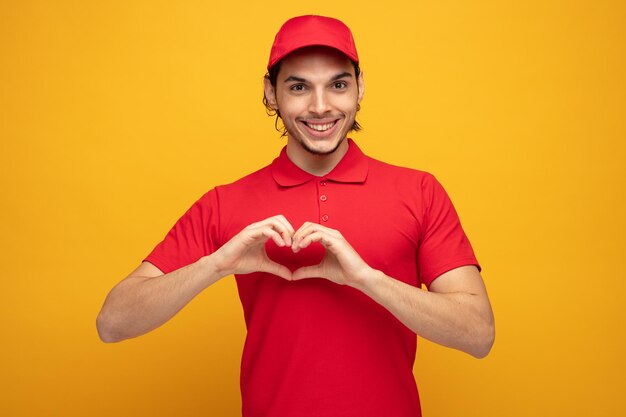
[(245, 252)]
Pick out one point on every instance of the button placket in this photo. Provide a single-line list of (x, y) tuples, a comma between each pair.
[(323, 198)]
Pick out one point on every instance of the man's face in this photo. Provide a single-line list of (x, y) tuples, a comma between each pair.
[(317, 95)]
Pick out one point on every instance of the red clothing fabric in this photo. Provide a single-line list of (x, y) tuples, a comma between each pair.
[(315, 348)]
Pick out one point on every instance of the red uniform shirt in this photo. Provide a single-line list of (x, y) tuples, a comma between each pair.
[(313, 347)]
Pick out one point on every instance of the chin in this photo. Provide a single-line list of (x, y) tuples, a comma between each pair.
[(324, 149)]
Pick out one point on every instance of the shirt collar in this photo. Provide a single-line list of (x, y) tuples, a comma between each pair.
[(352, 168)]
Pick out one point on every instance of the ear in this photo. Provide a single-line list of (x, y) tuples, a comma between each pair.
[(270, 93), (361, 86)]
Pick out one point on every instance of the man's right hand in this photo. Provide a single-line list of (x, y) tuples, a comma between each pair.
[(245, 252), (147, 298)]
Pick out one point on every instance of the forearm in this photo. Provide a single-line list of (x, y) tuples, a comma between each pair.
[(140, 304), (458, 320), (147, 299)]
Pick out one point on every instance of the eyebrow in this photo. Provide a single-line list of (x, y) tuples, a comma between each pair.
[(302, 80)]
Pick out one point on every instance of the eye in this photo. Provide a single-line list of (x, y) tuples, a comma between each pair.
[(339, 85), (297, 87)]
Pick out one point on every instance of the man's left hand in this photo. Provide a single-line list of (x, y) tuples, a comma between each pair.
[(341, 263)]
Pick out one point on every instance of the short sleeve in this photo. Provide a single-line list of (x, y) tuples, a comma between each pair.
[(444, 245), (193, 236)]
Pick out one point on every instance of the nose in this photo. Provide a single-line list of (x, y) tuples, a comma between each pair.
[(320, 103)]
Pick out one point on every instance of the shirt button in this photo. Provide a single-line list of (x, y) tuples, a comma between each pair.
[(325, 217), (323, 183), (323, 198)]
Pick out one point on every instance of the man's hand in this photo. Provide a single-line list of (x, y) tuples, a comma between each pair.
[(341, 263), (147, 298), (455, 313), (245, 252)]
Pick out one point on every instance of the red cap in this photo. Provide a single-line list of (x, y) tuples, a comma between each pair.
[(310, 30)]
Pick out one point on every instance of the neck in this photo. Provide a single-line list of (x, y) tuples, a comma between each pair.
[(314, 164)]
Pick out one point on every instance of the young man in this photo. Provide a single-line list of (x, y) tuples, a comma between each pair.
[(329, 248)]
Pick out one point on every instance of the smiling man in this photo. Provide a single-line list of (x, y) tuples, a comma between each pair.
[(319, 94), (330, 249)]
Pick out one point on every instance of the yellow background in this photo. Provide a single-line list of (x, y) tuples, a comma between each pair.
[(116, 116)]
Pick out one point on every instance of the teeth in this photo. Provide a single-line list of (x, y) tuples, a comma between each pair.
[(321, 128)]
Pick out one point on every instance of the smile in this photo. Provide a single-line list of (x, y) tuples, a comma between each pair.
[(320, 127)]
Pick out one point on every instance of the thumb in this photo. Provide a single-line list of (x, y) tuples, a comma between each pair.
[(278, 269), (312, 271)]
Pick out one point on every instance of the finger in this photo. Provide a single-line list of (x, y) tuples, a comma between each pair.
[(268, 224), (284, 221), (310, 237), (309, 227), (268, 233), (303, 231), (289, 231), (316, 236), (281, 225)]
